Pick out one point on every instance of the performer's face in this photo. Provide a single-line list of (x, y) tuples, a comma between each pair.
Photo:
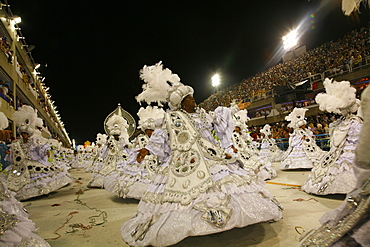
[(188, 103), (149, 132)]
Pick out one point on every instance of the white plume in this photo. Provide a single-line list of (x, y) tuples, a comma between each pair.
[(339, 98), (25, 115), (158, 84)]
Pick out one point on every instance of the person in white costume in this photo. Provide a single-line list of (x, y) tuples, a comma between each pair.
[(202, 190), (16, 229), (98, 153), (118, 151), (240, 138), (333, 173), (30, 174), (268, 148), (349, 225), (131, 180), (302, 150)]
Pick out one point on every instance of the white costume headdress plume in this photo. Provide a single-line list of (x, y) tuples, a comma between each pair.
[(266, 130), (241, 118), (296, 117), (117, 125), (161, 86), (149, 117), (101, 138), (25, 119), (339, 98)]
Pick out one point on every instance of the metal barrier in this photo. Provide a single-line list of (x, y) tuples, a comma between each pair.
[(322, 140)]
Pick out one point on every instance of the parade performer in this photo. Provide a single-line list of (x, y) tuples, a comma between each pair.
[(242, 142), (348, 225), (117, 151), (131, 179), (202, 189), (333, 173), (30, 174), (302, 150)]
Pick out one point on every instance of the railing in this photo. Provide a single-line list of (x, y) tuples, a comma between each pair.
[(322, 140)]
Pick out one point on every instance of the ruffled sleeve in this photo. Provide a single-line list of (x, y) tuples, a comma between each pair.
[(224, 125), (159, 145)]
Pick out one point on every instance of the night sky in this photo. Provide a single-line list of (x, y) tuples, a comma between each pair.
[(94, 50)]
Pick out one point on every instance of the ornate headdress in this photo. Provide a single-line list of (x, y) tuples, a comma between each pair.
[(161, 86), (296, 117), (149, 117), (25, 119), (101, 138), (339, 98), (241, 118), (117, 125), (266, 130)]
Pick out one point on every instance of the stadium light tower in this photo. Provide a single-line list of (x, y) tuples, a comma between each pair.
[(290, 41), (216, 81)]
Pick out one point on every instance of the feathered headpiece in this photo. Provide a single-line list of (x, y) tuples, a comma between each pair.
[(161, 86), (266, 130), (101, 138), (25, 119), (296, 117), (339, 98), (241, 118), (117, 125), (149, 116)]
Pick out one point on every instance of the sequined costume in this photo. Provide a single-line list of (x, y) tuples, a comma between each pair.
[(268, 148), (261, 166), (27, 175), (333, 173), (302, 151), (197, 191), (131, 179), (349, 225), (16, 229), (117, 153)]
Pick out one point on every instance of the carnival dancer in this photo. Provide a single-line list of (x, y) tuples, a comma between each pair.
[(262, 167), (302, 150), (131, 179), (98, 153), (79, 158), (202, 189), (29, 174), (16, 228), (333, 173), (268, 148), (348, 225), (118, 151)]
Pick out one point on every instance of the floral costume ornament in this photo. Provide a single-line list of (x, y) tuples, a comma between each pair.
[(302, 149), (199, 191), (30, 174), (333, 173)]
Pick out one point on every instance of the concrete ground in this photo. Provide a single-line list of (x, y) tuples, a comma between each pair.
[(76, 216)]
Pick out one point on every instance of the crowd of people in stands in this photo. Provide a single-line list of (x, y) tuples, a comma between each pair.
[(331, 58)]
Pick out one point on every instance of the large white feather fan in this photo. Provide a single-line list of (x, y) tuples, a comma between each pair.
[(339, 98), (158, 84)]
